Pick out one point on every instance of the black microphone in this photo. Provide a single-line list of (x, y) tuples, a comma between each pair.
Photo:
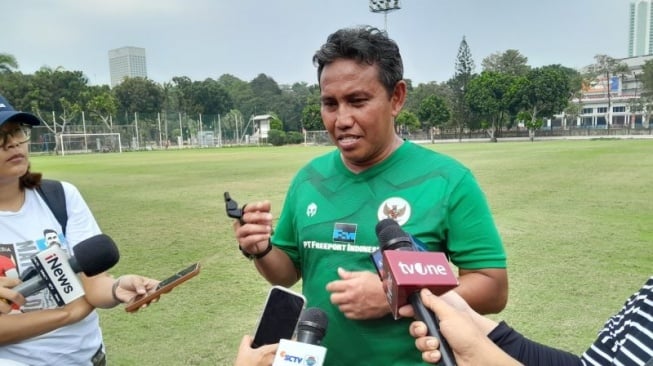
[(307, 348), (392, 237), (56, 271), (311, 326)]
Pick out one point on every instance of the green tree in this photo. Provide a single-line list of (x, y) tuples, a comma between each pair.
[(311, 115), (104, 105), (433, 112), (422, 91), (458, 84), (543, 92), (51, 86), (490, 96), (208, 97), (8, 63), (407, 122), (509, 62), (266, 96), (139, 95), (276, 123), (290, 104), (531, 123), (17, 88)]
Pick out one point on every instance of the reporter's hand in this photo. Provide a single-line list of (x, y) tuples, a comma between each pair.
[(9, 296), (359, 295), (131, 286), (254, 235), (468, 343), (248, 356)]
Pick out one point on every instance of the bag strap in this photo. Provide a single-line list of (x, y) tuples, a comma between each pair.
[(52, 193)]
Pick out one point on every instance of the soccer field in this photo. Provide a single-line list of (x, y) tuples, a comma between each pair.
[(576, 218)]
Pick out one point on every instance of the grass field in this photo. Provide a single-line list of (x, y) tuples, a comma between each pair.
[(576, 219)]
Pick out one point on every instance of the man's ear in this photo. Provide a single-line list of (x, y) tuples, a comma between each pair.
[(398, 97)]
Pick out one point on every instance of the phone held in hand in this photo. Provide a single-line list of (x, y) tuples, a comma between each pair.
[(165, 286), (279, 317)]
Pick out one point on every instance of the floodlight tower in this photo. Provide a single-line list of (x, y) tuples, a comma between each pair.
[(384, 6)]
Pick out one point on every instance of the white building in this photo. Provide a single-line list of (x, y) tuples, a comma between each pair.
[(640, 42), (126, 62), (624, 90), (261, 127)]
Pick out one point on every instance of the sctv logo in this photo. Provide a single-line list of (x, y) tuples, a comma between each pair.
[(422, 269), (308, 360)]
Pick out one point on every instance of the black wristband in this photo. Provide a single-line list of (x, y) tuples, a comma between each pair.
[(257, 255)]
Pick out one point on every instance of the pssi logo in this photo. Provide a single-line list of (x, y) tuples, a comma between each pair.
[(344, 233)]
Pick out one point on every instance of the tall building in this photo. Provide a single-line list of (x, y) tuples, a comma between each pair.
[(640, 42), (126, 62)]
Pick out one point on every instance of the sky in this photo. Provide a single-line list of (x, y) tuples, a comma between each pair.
[(208, 38)]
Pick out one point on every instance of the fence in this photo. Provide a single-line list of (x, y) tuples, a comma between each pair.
[(141, 131)]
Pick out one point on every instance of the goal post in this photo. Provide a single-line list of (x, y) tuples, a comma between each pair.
[(76, 143), (318, 137)]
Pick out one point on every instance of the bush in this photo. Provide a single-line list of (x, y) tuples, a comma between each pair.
[(294, 137), (276, 137)]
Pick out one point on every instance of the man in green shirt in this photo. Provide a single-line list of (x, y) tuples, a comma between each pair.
[(326, 230)]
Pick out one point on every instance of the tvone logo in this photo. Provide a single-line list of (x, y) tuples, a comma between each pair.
[(422, 269)]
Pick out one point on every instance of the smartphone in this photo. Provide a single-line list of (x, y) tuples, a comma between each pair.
[(280, 316), (165, 286)]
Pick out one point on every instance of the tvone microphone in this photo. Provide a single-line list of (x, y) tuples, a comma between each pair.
[(406, 271), (307, 349), (56, 270)]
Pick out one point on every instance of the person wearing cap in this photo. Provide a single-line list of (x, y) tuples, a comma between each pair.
[(39, 333)]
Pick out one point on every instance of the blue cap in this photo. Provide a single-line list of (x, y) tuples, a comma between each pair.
[(9, 114)]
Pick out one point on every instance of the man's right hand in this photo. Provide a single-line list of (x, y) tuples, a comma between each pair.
[(254, 235)]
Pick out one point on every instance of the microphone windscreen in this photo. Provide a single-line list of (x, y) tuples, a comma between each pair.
[(313, 320), (95, 254), (392, 236), (384, 224)]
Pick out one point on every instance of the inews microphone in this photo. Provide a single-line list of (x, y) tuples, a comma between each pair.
[(56, 270), (406, 271), (307, 349)]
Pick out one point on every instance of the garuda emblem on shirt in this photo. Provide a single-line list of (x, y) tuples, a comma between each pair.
[(395, 208)]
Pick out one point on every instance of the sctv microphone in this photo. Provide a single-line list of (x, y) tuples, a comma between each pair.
[(406, 271), (57, 271), (307, 349)]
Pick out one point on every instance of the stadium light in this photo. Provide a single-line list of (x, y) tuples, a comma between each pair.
[(384, 6)]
